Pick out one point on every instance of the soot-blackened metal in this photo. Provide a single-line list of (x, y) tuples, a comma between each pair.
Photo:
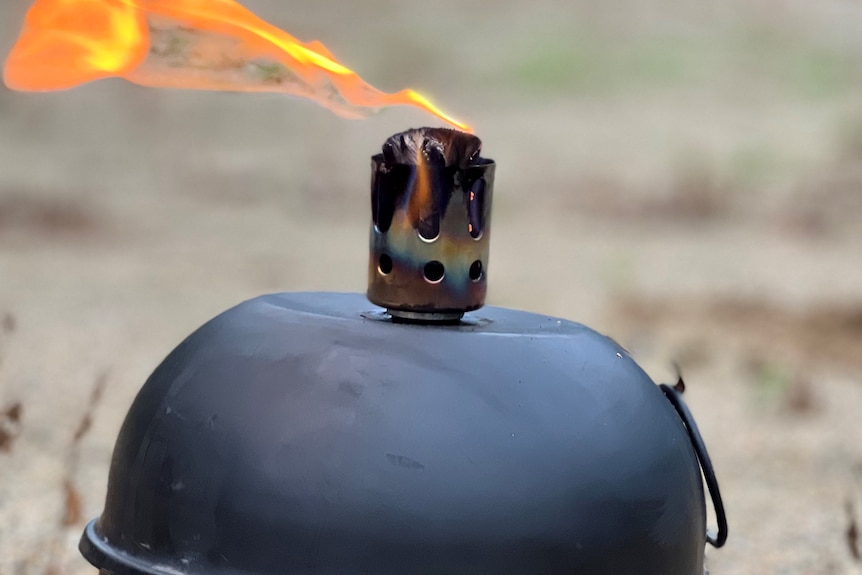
[(430, 228), (294, 434)]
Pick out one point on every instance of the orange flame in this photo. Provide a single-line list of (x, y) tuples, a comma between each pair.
[(192, 44)]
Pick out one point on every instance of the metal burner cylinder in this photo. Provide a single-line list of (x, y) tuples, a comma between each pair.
[(431, 206)]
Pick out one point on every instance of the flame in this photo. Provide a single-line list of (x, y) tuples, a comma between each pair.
[(189, 44)]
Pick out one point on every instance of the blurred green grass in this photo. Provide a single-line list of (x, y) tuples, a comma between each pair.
[(588, 63)]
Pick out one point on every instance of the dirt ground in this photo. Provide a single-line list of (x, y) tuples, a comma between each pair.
[(686, 177)]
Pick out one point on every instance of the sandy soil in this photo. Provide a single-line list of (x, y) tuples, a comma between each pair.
[(685, 178)]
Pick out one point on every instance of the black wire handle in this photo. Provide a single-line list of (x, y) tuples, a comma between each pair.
[(675, 398)]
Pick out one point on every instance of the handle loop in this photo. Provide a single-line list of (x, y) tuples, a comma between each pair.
[(675, 398)]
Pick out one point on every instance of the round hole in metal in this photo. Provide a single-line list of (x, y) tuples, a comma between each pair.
[(384, 264), (476, 270), (434, 272)]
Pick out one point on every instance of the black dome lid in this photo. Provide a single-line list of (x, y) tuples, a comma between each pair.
[(294, 434)]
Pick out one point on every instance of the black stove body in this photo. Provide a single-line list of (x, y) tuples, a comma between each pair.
[(314, 433)]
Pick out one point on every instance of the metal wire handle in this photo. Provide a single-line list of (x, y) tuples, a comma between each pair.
[(675, 398)]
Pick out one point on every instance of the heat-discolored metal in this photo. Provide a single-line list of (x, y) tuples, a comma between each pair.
[(431, 204)]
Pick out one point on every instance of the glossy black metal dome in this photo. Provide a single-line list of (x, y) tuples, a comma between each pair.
[(309, 434)]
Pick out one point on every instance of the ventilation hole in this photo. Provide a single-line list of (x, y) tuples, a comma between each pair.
[(429, 229), (476, 271), (387, 187), (434, 271), (475, 209), (384, 264), (381, 207)]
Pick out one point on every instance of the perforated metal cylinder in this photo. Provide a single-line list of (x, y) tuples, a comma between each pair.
[(430, 226)]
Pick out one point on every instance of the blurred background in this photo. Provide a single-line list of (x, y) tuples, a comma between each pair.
[(684, 176)]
